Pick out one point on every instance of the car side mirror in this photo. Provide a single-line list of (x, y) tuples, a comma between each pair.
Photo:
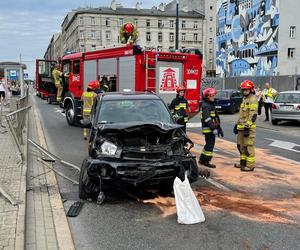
[(85, 123), (180, 120)]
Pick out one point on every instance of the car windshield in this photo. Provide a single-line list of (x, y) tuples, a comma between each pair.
[(288, 98), (222, 95), (115, 111)]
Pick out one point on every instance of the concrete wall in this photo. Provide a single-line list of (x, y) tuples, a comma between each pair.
[(289, 10)]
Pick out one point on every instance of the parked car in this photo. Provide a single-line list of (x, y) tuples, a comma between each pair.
[(286, 107), (228, 100), (134, 141)]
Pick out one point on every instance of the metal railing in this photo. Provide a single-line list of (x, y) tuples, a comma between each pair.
[(17, 122)]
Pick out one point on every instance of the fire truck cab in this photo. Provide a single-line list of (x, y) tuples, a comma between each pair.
[(129, 67)]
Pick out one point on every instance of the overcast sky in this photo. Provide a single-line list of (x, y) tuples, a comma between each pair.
[(26, 26)]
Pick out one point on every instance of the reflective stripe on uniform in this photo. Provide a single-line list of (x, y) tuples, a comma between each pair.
[(186, 119), (177, 107), (213, 114), (206, 130), (243, 157), (250, 159), (182, 105), (88, 94), (241, 126), (249, 106), (207, 153), (208, 119), (87, 111)]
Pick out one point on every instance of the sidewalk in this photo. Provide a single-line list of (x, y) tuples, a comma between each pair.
[(46, 223), (12, 180)]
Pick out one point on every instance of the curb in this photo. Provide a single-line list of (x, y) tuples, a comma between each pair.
[(62, 229), (21, 218)]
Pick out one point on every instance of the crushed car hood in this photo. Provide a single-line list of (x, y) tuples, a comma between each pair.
[(132, 126)]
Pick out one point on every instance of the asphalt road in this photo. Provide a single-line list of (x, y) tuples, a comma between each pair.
[(123, 223)]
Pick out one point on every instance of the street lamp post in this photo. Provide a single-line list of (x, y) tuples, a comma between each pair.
[(177, 26)]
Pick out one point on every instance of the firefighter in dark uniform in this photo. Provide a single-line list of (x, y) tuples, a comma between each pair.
[(245, 128), (179, 106), (210, 126)]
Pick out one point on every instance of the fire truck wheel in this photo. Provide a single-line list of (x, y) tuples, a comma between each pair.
[(70, 115)]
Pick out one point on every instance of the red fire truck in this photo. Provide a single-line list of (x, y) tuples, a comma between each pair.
[(129, 67)]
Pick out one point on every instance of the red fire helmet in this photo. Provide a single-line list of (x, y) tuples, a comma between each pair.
[(93, 85), (128, 28), (247, 84), (209, 92), (180, 88)]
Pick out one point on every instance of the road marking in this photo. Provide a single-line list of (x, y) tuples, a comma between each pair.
[(218, 185), (194, 125), (58, 110), (284, 145)]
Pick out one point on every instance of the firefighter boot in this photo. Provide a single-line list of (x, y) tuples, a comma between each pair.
[(247, 169), (241, 164), (207, 164)]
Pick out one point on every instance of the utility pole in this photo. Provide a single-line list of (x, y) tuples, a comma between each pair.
[(21, 74), (177, 26)]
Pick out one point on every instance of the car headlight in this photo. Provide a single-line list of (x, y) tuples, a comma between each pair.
[(108, 148)]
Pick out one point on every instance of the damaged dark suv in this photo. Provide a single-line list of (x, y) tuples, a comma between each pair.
[(134, 141)]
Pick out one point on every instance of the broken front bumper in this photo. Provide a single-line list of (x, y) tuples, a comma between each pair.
[(138, 172)]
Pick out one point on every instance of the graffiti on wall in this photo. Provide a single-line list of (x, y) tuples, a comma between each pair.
[(247, 37)]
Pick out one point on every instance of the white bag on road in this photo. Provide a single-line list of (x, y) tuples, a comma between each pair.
[(187, 205)]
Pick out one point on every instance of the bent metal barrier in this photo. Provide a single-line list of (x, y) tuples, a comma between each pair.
[(16, 121)]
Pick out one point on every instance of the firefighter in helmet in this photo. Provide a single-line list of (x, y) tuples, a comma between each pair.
[(88, 98), (179, 106), (128, 33), (245, 128), (57, 77), (210, 126)]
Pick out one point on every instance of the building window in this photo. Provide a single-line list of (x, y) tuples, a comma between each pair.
[(82, 48), (183, 36), (171, 23), (196, 25), (121, 22), (107, 35), (81, 34), (93, 20), (93, 34), (160, 37), (211, 19), (159, 48), (94, 47), (148, 36), (171, 36), (211, 8), (183, 24), (195, 37), (107, 22), (148, 23), (293, 32), (210, 29), (210, 40), (291, 53), (160, 24), (210, 51), (136, 22), (81, 20)]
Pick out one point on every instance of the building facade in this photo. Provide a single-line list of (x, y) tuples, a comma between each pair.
[(54, 50), (289, 38), (247, 37), (95, 28)]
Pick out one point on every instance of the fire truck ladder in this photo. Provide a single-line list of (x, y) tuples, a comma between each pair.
[(150, 67)]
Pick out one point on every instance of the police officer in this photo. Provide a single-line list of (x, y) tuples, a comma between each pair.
[(246, 127), (88, 98), (210, 126), (179, 106)]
